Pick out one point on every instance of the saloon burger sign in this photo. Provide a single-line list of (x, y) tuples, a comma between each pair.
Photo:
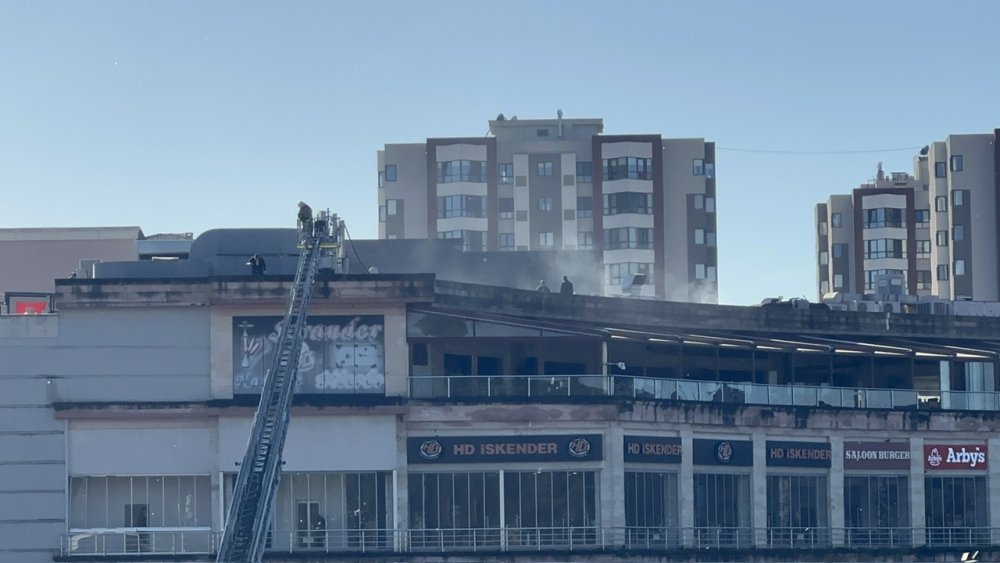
[(956, 456)]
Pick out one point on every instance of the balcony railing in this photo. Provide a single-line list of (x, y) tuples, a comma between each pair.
[(162, 541), (523, 386)]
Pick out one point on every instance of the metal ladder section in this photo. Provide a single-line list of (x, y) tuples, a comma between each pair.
[(249, 513)]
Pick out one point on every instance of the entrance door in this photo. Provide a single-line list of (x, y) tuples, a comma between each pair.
[(310, 526)]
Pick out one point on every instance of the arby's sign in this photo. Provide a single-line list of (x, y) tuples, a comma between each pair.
[(956, 456)]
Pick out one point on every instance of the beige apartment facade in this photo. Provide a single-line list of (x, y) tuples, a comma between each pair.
[(648, 204)]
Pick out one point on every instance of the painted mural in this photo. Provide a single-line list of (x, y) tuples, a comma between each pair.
[(340, 354)]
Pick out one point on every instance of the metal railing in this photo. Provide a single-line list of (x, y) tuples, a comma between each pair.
[(525, 386), (162, 541)]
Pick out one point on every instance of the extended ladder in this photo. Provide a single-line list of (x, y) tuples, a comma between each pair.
[(249, 514)]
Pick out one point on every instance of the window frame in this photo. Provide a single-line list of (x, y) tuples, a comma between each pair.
[(390, 177)]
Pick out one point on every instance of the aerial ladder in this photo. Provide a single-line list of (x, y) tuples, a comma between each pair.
[(249, 513)]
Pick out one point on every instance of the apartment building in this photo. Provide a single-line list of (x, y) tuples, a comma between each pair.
[(646, 203), (935, 228)]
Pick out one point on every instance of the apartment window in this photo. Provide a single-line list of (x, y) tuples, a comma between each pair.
[(505, 173), (922, 218), (958, 197), (472, 241), (710, 238), (942, 238), (633, 167), (824, 258), (881, 217), (584, 206), (942, 272), (958, 232), (923, 249), (824, 287), (506, 208), (822, 228), (546, 239), (506, 241), (699, 236), (839, 249), (390, 172), (699, 271), (871, 276), (544, 168), (709, 205), (956, 163), (624, 270), (584, 172), (710, 170), (838, 281), (959, 267), (710, 273), (836, 220), (461, 206), (391, 207), (381, 214), (585, 240), (381, 178), (940, 170), (698, 167), (885, 248), (699, 201), (941, 204), (542, 133), (461, 171), (628, 202), (545, 203), (923, 279), (628, 237)]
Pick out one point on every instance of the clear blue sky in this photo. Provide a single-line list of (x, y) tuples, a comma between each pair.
[(190, 115)]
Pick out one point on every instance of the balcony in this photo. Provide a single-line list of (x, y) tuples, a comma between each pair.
[(561, 387), (150, 543)]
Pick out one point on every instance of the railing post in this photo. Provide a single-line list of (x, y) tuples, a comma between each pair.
[(489, 386), (447, 381)]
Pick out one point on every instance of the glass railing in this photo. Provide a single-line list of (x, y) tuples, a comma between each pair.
[(161, 541), (554, 386)]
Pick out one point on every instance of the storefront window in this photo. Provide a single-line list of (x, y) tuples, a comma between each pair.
[(797, 510), (877, 510), (140, 502), (550, 507), (651, 509), (722, 515), (957, 510), (454, 509), (329, 511)]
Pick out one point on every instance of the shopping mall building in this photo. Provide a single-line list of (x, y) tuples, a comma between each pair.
[(451, 421)]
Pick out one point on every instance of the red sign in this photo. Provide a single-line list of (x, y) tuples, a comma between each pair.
[(31, 307), (956, 456)]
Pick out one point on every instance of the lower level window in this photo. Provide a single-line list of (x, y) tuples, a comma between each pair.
[(956, 510), (622, 272), (797, 510), (651, 509), (565, 502), (877, 510), (722, 510), (467, 504)]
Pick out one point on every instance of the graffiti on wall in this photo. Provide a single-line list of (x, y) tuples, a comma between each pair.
[(340, 354)]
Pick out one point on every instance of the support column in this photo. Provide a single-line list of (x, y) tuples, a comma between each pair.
[(917, 520), (836, 494), (613, 484), (401, 492), (686, 494), (758, 489), (993, 482)]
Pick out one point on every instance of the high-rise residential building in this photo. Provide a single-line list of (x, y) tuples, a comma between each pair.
[(646, 203), (936, 229)]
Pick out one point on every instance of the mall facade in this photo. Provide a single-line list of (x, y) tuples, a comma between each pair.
[(441, 420)]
